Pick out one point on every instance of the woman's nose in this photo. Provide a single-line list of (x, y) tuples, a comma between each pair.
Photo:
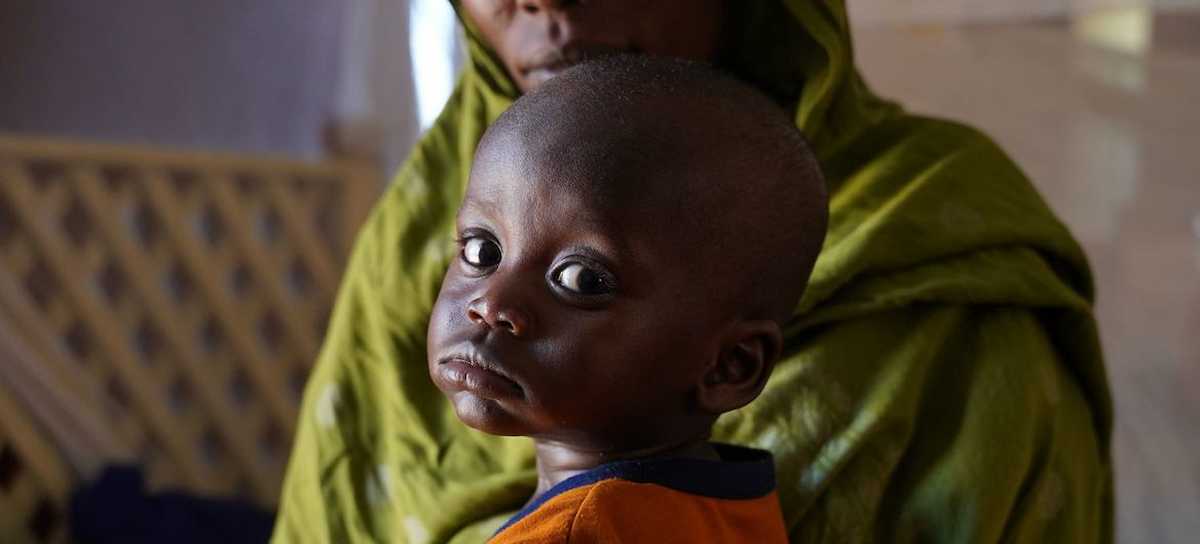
[(487, 312)]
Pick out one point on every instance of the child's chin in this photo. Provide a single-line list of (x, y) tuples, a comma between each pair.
[(487, 415)]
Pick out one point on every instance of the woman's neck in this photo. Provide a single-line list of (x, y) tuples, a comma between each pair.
[(557, 461)]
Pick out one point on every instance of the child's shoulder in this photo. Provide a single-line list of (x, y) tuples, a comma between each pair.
[(618, 510)]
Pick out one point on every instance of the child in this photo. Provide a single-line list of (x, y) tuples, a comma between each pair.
[(629, 246)]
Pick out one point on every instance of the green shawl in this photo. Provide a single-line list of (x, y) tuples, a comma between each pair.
[(942, 379)]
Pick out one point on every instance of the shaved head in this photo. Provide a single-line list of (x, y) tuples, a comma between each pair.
[(701, 161), (633, 237)]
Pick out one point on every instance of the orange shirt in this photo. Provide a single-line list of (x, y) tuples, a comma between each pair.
[(659, 501)]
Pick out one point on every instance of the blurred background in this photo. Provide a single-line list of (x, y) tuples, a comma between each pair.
[(180, 183)]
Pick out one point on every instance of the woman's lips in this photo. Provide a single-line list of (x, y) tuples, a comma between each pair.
[(539, 76), (462, 374), (546, 65)]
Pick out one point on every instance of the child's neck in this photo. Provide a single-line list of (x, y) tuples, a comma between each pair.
[(557, 461)]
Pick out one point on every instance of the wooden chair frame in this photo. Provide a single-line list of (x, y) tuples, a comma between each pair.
[(175, 300)]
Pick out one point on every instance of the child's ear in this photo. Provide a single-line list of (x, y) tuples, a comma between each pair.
[(748, 353)]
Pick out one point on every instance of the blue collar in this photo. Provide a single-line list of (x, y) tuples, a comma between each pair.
[(742, 473)]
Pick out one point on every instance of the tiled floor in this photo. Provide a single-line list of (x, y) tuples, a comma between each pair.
[(1113, 141)]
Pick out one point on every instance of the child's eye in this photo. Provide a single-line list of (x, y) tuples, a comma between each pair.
[(480, 252), (581, 279)]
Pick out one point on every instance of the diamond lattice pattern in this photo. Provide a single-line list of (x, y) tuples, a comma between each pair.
[(182, 296)]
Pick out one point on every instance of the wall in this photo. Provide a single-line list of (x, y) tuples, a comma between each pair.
[(875, 12), (214, 74)]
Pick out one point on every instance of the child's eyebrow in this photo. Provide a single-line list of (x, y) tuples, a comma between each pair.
[(607, 253), (596, 241), (487, 207)]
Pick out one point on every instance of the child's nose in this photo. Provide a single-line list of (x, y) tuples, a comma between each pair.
[(487, 312)]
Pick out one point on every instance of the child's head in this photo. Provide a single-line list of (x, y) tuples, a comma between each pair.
[(633, 236)]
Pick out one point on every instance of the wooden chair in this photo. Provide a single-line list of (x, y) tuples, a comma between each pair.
[(34, 481), (161, 307)]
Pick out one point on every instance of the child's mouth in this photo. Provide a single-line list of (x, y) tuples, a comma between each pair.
[(476, 375)]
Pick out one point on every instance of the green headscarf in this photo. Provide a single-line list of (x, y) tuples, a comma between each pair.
[(942, 379)]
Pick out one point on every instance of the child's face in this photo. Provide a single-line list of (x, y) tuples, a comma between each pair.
[(567, 320)]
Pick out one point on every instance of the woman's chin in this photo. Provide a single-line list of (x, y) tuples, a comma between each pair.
[(487, 415)]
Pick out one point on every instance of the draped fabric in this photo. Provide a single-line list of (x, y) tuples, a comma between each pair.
[(942, 378)]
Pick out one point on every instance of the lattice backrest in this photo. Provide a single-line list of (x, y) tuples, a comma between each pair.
[(182, 295), (33, 480)]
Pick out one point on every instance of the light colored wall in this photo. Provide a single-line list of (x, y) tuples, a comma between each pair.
[(875, 12), (255, 76), (869, 12), (400, 61)]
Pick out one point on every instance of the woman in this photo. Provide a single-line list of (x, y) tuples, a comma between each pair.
[(943, 379)]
